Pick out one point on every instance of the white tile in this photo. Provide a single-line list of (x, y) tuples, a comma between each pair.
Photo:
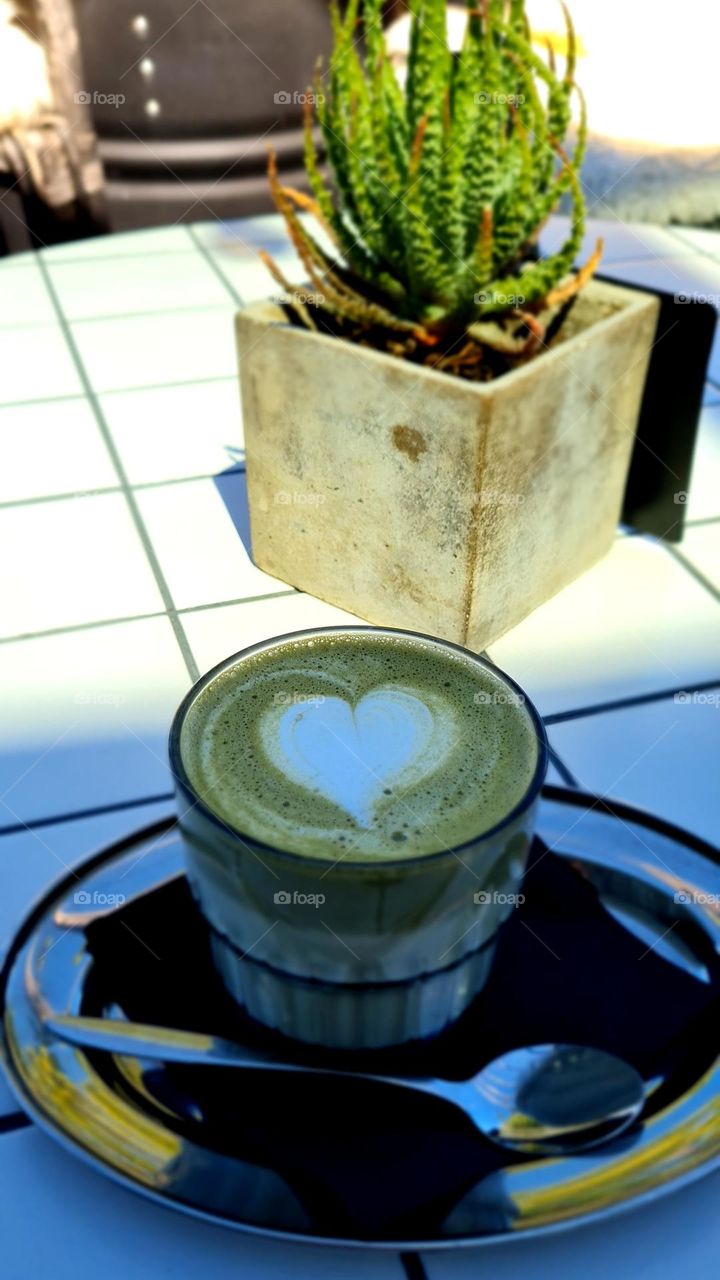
[(169, 433), (51, 447), (153, 282), (661, 756), (553, 777), (235, 246), (678, 1236), (622, 240), (691, 277), (24, 298), (74, 561), (35, 859), (92, 1228), (13, 260), (121, 244), (214, 634), (704, 240), (154, 350), (37, 365), (704, 494), (701, 547), (86, 717), (201, 536), (244, 235), (637, 622), (251, 278)]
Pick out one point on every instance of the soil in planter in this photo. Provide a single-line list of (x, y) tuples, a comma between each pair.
[(459, 354)]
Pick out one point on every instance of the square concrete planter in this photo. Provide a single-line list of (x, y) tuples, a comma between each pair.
[(415, 499)]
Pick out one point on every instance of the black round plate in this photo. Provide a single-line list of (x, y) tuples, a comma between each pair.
[(616, 945)]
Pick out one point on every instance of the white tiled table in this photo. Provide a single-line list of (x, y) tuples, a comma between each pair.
[(125, 573)]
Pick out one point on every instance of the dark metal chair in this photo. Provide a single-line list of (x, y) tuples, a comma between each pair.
[(185, 104)]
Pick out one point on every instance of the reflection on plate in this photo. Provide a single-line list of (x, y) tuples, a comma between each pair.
[(616, 945)]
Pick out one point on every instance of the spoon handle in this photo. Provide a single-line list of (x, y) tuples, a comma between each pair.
[(192, 1048), (145, 1041)]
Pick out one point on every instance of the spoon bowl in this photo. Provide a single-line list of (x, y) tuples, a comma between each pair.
[(547, 1099)]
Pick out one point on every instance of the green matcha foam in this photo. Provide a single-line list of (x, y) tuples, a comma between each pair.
[(359, 745)]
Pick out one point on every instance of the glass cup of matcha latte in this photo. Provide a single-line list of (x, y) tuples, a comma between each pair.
[(356, 806)]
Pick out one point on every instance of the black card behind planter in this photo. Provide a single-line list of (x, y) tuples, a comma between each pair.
[(661, 462)]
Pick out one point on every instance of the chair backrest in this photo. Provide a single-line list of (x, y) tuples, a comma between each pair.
[(186, 97), (230, 67)]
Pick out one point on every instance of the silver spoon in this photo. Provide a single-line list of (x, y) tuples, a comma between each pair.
[(547, 1099)]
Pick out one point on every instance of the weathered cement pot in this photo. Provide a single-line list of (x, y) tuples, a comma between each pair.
[(417, 500)]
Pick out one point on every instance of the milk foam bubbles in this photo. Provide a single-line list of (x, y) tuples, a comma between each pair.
[(359, 745)]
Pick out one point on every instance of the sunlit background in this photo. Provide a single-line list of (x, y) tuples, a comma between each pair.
[(127, 115)]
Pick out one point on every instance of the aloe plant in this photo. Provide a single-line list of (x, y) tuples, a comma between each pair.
[(439, 189)]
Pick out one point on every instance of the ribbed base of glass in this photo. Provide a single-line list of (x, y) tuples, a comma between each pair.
[(352, 1017)]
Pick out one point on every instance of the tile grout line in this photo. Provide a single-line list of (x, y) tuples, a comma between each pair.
[(704, 253), (145, 617), (79, 815), (99, 258), (119, 391), (133, 507), (694, 572), (103, 317), (13, 1121), (237, 469), (568, 778), (702, 522), (626, 704), (215, 266), (14, 503), (153, 311), (413, 1265), (166, 797), (169, 386), (190, 382)]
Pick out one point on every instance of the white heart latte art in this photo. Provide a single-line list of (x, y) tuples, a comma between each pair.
[(353, 755)]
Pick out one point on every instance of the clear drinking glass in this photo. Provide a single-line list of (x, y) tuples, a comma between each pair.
[(344, 953)]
